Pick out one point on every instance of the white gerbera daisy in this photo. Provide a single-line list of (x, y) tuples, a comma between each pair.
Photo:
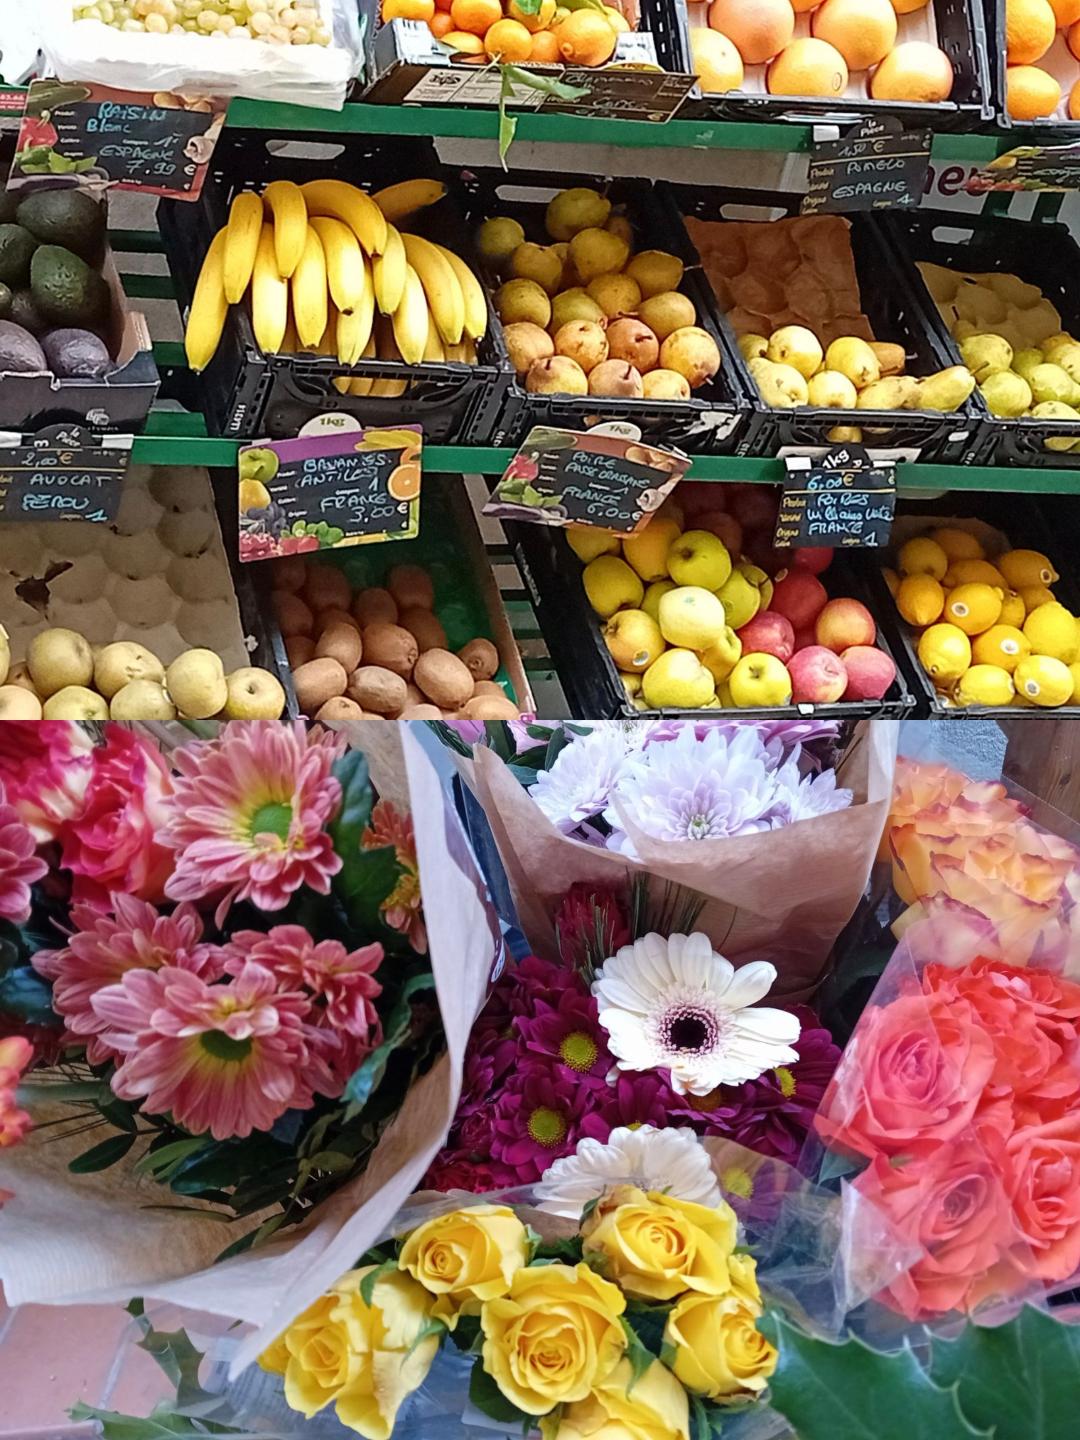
[(677, 1005), (577, 786), (673, 1161)]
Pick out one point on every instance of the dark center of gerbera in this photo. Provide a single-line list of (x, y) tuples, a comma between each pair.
[(224, 1047), (272, 819), (687, 1029)]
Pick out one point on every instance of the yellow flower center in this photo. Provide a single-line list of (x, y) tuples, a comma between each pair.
[(578, 1051), (737, 1181), (547, 1127), (786, 1080)]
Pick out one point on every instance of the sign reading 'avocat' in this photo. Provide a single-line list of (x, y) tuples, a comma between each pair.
[(62, 473)]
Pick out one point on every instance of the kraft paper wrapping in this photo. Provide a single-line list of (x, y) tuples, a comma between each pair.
[(782, 896), (89, 1239)]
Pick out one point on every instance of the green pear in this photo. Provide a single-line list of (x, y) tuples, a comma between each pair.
[(780, 386), (1057, 410), (1052, 382), (985, 355), (947, 390), (1007, 394), (1024, 361)]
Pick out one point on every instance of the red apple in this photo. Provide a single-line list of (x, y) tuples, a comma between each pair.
[(758, 546), (844, 623), (722, 525), (814, 558), (800, 596), (769, 634), (818, 677), (804, 638), (870, 672), (698, 496), (755, 506)]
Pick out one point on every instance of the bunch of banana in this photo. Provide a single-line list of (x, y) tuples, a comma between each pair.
[(317, 262)]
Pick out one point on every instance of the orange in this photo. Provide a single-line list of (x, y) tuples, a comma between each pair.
[(585, 38), (1030, 92), (913, 71), (802, 6), (1074, 102), (1066, 12), (808, 67), (404, 482), (508, 40), (463, 41), (408, 9), (759, 29), (717, 63), (864, 31), (440, 24), (540, 21), (1030, 28), (476, 17), (1072, 39), (545, 48)]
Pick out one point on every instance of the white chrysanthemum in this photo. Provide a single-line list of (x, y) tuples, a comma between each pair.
[(803, 797), (677, 1005), (673, 1161), (578, 785)]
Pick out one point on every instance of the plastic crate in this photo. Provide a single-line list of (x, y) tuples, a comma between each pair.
[(961, 33), (590, 678), (1043, 254), (711, 421), (247, 394), (894, 315), (1056, 130)]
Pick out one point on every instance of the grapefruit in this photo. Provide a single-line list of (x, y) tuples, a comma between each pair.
[(759, 29)]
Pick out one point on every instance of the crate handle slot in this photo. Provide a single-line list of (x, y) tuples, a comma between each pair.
[(734, 211), (952, 235), (305, 149)]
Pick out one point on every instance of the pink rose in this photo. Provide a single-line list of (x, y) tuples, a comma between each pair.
[(912, 1076), (45, 766), (1045, 1165), (112, 844)]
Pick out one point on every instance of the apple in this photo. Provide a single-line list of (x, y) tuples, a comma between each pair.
[(870, 672), (804, 637), (818, 677), (769, 634), (843, 623), (698, 558), (724, 526), (800, 596), (758, 546), (814, 558), (755, 506), (723, 654), (759, 681)]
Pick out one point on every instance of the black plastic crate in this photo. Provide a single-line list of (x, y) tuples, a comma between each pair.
[(712, 421), (962, 34), (589, 677), (247, 394), (1042, 254), (1054, 131), (894, 315)]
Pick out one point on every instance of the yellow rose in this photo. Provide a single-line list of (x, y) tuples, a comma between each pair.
[(554, 1337), (656, 1247), (719, 1351), (743, 1272), (466, 1258), (656, 1408)]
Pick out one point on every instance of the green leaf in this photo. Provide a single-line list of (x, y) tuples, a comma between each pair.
[(365, 1080), (1021, 1379), (178, 1358), (507, 126), (824, 1390), (364, 886), (705, 1420), (490, 1400), (102, 1156), (114, 1426), (332, 1161), (640, 1358), (366, 877), (158, 1162), (88, 1092), (372, 1278), (432, 1327), (357, 801)]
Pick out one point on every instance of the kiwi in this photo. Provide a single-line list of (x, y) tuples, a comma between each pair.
[(425, 626), (421, 712), (414, 695), (289, 572), (318, 681), (392, 647), (411, 585), (326, 588), (481, 657), (338, 709), (300, 649), (341, 643), (377, 689), (490, 707), (336, 616), (443, 678), (487, 687), (375, 607), (293, 616)]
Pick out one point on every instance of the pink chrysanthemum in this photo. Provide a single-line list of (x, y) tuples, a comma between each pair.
[(569, 1033), (537, 1118), (228, 1058), (248, 816), (15, 1055), (633, 1099), (20, 866), (403, 907), (45, 767), (343, 980), (104, 947)]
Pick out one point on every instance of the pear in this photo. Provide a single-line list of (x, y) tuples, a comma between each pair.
[(1007, 395), (1056, 410), (891, 358), (986, 355), (498, 238), (855, 359), (888, 394), (832, 391), (577, 304), (1068, 357), (780, 386), (597, 252), (574, 210), (1051, 382), (946, 390), (753, 347), (1024, 361), (539, 263), (796, 346)]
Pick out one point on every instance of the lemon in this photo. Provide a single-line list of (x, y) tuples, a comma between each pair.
[(944, 653), (1035, 595), (611, 585), (957, 544), (974, 608), (1051, 629), (1044, 681), (1022, 568), (984, 685), (922, 557), (892, 580), (631, 683), (920, 599), (972, 572), (1002, 645), (1013, 609), (1074, 671)]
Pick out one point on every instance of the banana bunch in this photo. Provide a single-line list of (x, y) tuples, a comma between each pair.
[(331, 270)]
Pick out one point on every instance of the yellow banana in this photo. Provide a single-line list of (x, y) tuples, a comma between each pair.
[(290, 344), (361, 384), (388, 389), (309, 300), (388, 271), (287, 206), (408, 196), (441, 286), (327, 342), (434, 350), (241, 242), (476, 311), (341, 384), (269, 298), (350, 339), (355, 207), (345, 263), (206, 318), (463, 354), (411, 320)]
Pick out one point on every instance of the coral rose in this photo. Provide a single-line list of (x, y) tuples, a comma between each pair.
[(656, 1247), (1045, 1164), (465, 1258)]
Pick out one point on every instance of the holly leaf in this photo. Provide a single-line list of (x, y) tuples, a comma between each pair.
[(824, 1390), (1021, 1379)]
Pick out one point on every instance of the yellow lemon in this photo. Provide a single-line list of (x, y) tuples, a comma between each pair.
[(1043, 681), (957, 544), (1074, 671), (920, 599), (1013, 609), (984, 685), (974, 608), (922, 556), (1035, 595), (973, 572), (944, 653), (892, 580), (1022, 568), (1002, 645), (1051, 629)]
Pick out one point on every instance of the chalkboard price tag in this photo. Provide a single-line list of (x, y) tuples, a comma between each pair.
[(877, 165), (567, 477), (329, 491), (845, 499), (126, 139), (63, 473)]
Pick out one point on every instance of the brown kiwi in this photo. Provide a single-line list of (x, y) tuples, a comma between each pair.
[(327, 587), (414, 695), (481, 657), (443, 678), (336, 616), (411, 585), (487, 687), (421, 712), (318, 681), (377, 690), (294, 617), (375, 607), (300, 649), (391, 646), (425, 626), (338, 709), (289, 573), (343, 644), (490, 707)]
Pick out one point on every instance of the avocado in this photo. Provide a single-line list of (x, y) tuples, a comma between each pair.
[(66, 217), (19, 351), (16, 247), (9, 203), (64, 288), (76, 354), (25, 313)]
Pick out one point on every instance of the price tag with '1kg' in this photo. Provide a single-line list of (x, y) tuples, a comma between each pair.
[(845, 499)]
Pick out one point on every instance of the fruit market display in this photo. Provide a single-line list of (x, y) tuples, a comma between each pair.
[(701, 611), (883, 49), (991, 631), (1042, 48), (587, 314), (380, 651), (513, 32), (278, 22)]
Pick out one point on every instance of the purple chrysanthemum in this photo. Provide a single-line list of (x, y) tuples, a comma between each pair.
[(644, 1098), (569, 1033), (537, 1119)]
